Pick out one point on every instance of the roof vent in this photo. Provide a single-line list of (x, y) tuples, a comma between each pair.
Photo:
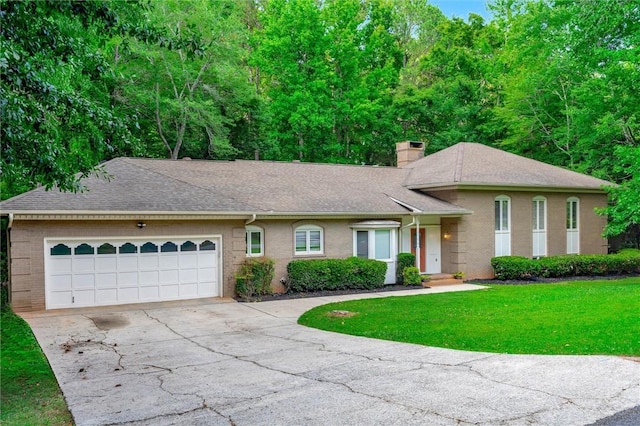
[(186, 158), (409, 151)]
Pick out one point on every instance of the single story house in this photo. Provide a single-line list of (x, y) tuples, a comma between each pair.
[(159, 230)]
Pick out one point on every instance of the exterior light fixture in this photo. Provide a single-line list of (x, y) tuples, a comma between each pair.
[(141, 225)]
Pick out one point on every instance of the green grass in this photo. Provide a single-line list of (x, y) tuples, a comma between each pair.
[(585, 317), (30, 392)]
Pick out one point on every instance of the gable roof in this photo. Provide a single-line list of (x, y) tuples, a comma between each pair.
[(236, 187), (475, 165)]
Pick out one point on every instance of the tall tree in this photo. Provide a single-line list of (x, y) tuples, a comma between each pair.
[(58, 119), (192, 88)]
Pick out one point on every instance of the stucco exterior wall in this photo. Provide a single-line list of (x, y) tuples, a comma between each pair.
[(27, 249), (472, 242)]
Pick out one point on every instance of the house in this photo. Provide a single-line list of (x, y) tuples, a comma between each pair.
[(165, 230)]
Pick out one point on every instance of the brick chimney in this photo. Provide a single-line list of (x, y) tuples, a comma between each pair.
[(409, 151)]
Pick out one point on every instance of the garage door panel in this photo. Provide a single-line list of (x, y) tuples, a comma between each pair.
[(169, 277), (83, 281), (148, 262), (148, 278), (188, 260), (84, 297), (61, 298), (107, 272), (127, 262), (106, 280), (106, 264), (60, 264), (169, 291), (127, 279), (149, 293), (206, 289), (188, 276), (188, 290), (107, 296), (83, 263), (168, 261), (60, 282)]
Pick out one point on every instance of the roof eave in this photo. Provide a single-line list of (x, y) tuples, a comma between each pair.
[(507, 187), (190, 215)]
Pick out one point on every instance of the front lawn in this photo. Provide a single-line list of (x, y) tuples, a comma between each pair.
[(582, 317), (30, 392)]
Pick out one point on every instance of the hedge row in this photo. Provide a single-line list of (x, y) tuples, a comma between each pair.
[(335, 274), (522, 268)]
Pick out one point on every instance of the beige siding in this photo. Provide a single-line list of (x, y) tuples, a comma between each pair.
[(471, 245), (27, 249)]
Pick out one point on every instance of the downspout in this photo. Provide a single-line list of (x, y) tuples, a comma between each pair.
[(253, 219), (8, 241), (416, 222)]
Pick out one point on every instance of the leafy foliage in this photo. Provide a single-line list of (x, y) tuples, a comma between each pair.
[(411, 276), (254, 277), (522, 268), (405, 260), (58, 121), (335, 274)]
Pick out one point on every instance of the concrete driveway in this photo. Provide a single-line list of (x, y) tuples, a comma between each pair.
[(219, 362)]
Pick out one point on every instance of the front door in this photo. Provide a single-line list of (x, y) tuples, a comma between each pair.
[(432, 250), (429, 239)]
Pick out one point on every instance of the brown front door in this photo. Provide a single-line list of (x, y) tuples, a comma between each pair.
[(423, 249)]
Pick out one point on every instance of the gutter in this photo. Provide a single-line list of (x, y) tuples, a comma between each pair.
[(10, 221)]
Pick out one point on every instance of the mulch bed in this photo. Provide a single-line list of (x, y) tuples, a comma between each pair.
[(287, 296)]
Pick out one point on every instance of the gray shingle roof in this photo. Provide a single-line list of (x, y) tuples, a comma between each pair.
[(148, 185), (139, 185), (474, 164)]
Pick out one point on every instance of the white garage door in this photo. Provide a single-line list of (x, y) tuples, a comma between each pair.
[(95, 272)]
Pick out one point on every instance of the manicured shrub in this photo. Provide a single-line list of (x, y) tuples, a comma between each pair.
[(405, 260), (254, 277), (521, 268), (513, 268), (411, 276), (335, 274)]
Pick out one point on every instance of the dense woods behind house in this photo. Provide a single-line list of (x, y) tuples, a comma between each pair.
[(338, 81)]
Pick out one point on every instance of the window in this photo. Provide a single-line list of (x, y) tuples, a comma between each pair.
[(374, 244), (128, 248), (60, 250), (188, 246), (308, 240), (573, 225), (168, 247), (207, 245), (83, 248), (254, 241), (539, 225), (502, 206), (106, 248), (149, 247)]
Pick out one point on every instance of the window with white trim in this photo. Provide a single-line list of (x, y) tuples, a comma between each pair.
[(539, 226), (254, 241), (573, 225), (308, 240), (502, 206)]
